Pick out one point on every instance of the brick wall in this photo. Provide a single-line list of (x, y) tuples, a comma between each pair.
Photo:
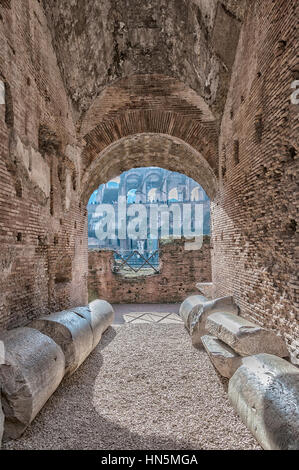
[(42, 227), (254, 214), (180, 270)]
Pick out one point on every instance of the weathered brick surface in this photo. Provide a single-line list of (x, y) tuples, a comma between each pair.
[(33, 193), (100, 41), (179, 272), (254, 215), (148, 149)]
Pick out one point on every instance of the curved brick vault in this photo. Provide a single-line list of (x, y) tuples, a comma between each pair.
[(149, 120), (148, 149), (98, 42), (149, 104), (146, 92)]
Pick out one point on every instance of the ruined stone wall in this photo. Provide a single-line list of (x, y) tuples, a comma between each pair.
[(254, 215), (42, 226), (180, 270)]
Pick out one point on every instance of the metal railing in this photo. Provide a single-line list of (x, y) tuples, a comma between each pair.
[(135, 261)]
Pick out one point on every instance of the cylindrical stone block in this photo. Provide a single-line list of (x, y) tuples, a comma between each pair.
[(102, 316), (187, 306), (265, 394), (32, 370), (99, 314), (72, 332), (200, 313)]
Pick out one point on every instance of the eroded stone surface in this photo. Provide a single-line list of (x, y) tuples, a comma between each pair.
[(224, 358), (33, 369), (200, 313), (187, 306), (161, 36), (100, 315), (245, 337), (265, 393), (72, 332)]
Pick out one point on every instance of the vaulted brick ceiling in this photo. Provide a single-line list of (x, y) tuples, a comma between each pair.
[(149, 104), (98, 42), (135, 68)]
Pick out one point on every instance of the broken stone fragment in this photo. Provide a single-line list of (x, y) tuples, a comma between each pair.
[(188, 305), (265, 394), (200, 313), (224, 358), (72, 332), (243, 336), (33, 369), (100, 315)]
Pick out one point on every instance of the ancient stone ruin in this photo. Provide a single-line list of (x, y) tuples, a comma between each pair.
[(208, 89)]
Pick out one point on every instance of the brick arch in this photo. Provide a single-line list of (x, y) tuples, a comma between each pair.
[(154, 104), (148, 91), (144, 150)]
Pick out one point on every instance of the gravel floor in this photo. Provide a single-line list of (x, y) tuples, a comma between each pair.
[(144, 387)]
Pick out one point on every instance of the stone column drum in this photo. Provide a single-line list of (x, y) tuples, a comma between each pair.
[(265, 393), (199, 314), (187, 306), (32, 370), (100, 315), (72, 332)]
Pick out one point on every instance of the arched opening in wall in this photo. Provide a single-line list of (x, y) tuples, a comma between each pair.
[(147, 150), (148, 121), (158, 201), (148, 237)]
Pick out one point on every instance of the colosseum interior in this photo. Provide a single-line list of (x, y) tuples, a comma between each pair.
[(88, 90)]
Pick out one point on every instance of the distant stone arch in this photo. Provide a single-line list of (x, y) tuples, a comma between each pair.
[(146, 150)]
